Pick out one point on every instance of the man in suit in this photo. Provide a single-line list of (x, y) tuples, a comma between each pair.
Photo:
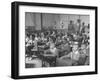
[(71, 28), (78, 26)]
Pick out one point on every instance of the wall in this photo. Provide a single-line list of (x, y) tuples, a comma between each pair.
[(33, 20), (49, 20), (38, 21), (29, 19), (5, 40)]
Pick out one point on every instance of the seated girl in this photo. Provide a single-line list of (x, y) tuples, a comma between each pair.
[(70, 59), (51, 54)]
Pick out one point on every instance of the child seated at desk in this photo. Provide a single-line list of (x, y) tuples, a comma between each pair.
[(51, 54), (70, 59)]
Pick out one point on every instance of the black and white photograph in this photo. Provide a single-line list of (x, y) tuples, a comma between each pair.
[(56, 40)]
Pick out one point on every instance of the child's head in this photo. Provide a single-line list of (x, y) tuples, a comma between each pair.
[(52, 46), (30, 36), (83, 46), (75, 46)]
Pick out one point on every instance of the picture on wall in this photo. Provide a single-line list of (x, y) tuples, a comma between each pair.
[(51, 40)]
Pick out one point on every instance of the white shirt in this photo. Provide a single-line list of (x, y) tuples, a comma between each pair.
[(75, 55), (29, 43)]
